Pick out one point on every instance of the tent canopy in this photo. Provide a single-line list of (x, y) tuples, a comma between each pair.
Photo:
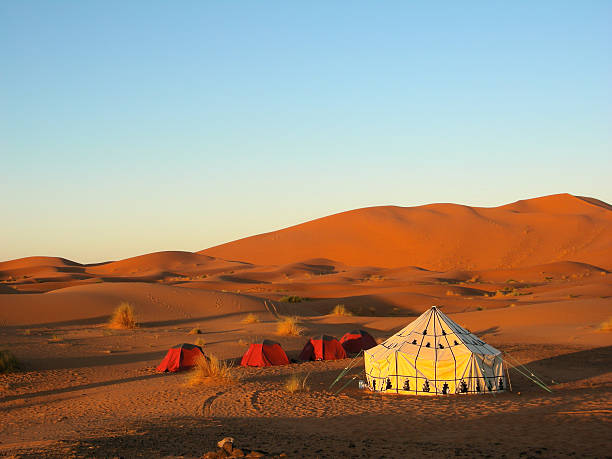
[(323, 347), (264, 354), (180, 357), (434, 356)]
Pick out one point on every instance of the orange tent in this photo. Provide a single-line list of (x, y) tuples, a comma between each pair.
[(357, 340), (264, 354), (323, 347), (180, 357)]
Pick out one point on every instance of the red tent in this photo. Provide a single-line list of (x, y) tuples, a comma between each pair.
[(356, 341), (264, 354), (180, 357), (323, 348)]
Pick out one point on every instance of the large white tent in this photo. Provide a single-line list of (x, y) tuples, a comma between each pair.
[(434, 356)]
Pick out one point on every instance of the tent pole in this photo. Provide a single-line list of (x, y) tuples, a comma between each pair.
[(396, 376)]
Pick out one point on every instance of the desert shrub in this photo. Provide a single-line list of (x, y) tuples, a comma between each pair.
[(288, 326), (291, 299), (504, 291), (606, 325), (250, 319), (123, 317), (243, 342), (296, 384), (212, 371), (195, 331), (341, 310), (8, 362)]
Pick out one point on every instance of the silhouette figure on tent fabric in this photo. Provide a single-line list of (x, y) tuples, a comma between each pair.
[(501, 383), (445, 388), (373, 384), (426, 386), (407, 384), (477, 385), (463, 387), (388, 384)]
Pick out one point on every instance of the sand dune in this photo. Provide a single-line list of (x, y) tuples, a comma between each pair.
[(94, 303), (442, 236), (531, 278)]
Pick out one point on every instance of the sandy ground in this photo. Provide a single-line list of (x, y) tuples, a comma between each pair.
[(92, 392), (531, 278)]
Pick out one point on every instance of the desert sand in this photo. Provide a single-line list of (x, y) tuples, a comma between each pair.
[(531, 278)]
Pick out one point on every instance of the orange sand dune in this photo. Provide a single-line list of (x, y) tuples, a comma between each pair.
[(556, 270), (94, 303), (168, 265), (443, 236), (159, 262), (30, 262), (531, 278)]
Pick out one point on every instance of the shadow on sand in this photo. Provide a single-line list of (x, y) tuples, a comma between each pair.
[(79, 388)]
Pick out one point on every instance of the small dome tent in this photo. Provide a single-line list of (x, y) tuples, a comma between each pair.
[(264, 354), (356, 341), (180, 357), (323, 347), (434, 356)]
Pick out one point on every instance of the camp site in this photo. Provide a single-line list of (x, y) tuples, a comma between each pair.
[(240, 375), (305, 230)]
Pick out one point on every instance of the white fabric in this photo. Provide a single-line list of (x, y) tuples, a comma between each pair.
[(434, 356)]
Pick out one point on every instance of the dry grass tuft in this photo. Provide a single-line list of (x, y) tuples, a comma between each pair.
[(606, 325), (212, 371), (250, 319), (291, 299), (243, 342), (341, 310), (288, 326), (8, 362), (123, 317), (195, 331), (296, 384)]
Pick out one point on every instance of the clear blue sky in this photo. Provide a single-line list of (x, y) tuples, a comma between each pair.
[(131, 127)]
